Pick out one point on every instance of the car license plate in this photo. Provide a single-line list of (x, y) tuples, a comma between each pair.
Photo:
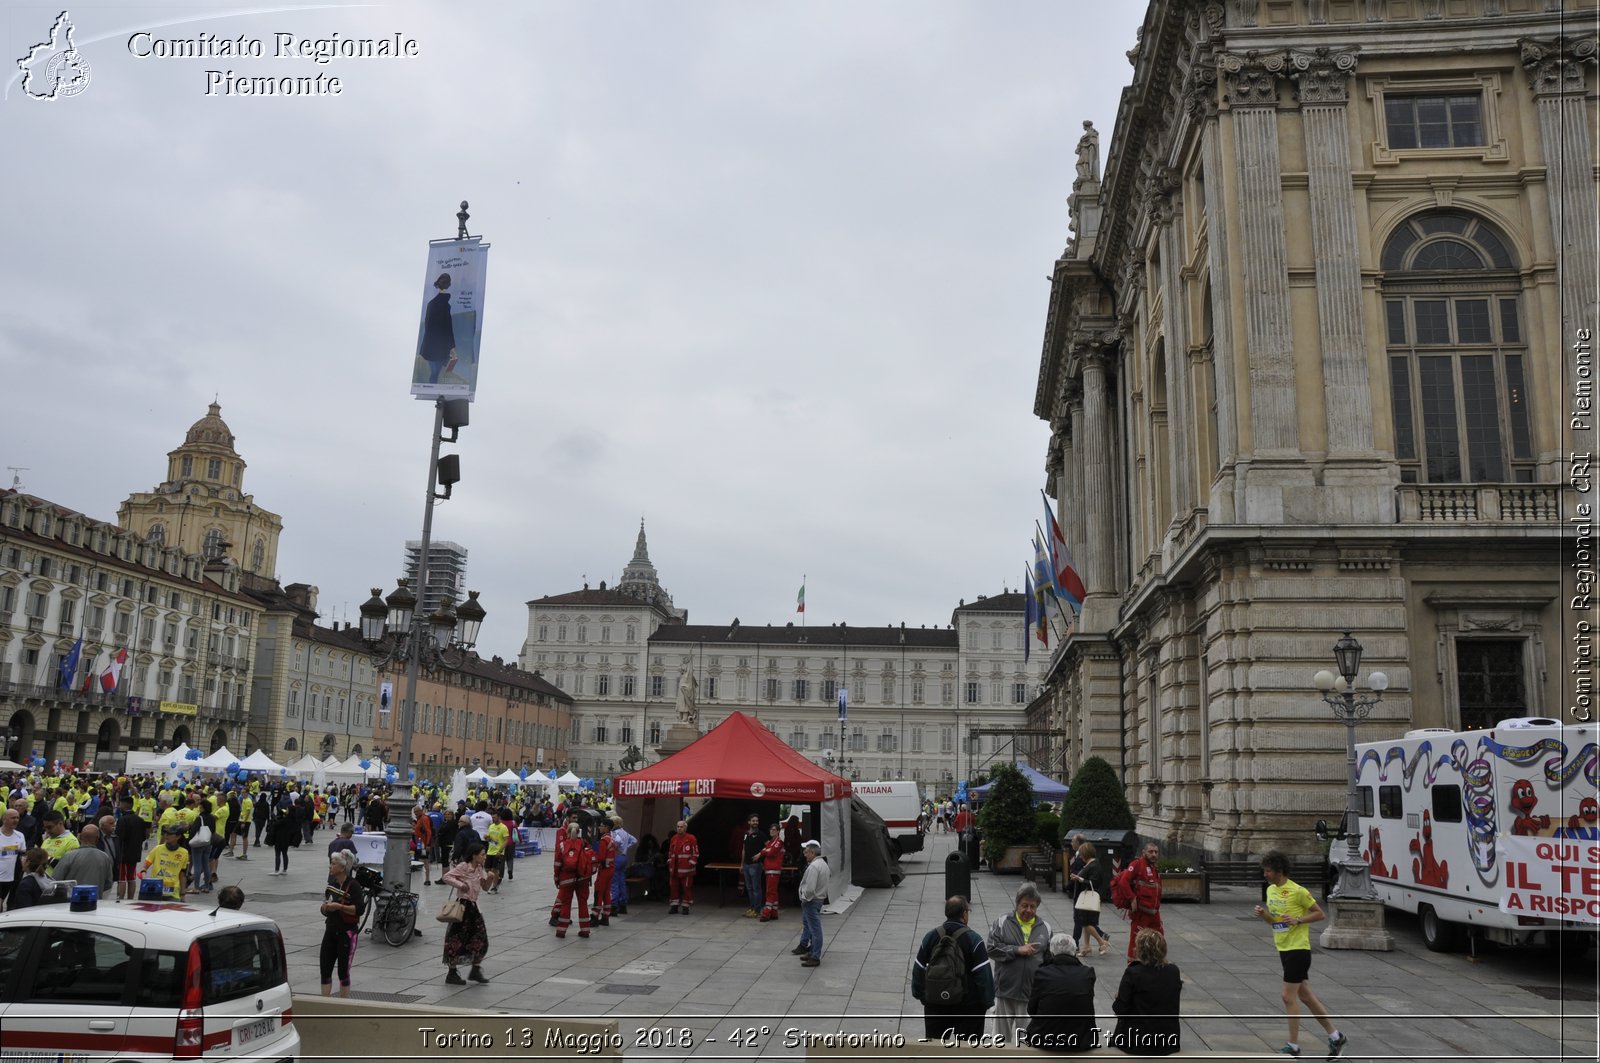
[(255, 1031)]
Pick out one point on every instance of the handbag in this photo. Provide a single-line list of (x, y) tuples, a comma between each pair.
[(1088, 900), (452, 910), (201, 836)]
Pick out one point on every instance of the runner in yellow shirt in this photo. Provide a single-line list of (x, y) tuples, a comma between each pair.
[(169, 862), (57, 840), (1289, 908), (497, 835)]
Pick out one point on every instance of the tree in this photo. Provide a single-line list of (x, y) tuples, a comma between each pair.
[(1007, 815), (1096, 799)]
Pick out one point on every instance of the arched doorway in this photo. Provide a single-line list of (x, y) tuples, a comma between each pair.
[(19, 737), (219, 738), (355, 750), (327, 746), (289, 746), (105, 742), (180, 736)]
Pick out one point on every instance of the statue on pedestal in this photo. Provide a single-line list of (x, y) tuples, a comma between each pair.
[(1088, 155), (688, 690)]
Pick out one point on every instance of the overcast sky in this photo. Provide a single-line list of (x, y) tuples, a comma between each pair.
[(770, 276)]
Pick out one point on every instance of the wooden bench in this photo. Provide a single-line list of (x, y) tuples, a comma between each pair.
[(1041, 865)]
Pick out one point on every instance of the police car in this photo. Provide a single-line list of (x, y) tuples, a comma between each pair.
[(146, 980)]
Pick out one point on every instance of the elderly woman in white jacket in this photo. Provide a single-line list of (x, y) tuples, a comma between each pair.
[(1018, 945)]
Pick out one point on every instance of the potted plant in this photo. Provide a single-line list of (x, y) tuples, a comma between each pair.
[(1181, 881), (1007, 819), (1095, 801)]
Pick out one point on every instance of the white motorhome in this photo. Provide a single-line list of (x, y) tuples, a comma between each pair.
[(1496, 831), (900, 807)]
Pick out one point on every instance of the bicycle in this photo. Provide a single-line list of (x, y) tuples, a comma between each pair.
[(395, 920)]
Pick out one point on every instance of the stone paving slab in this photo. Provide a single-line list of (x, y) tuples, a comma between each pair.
[(713, 971)]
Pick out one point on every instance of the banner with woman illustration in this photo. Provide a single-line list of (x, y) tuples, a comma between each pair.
[(448, 338)]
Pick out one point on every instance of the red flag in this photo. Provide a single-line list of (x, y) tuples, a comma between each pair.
[(113, 673)]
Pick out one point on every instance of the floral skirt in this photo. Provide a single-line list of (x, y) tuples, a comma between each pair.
[(466, 941)]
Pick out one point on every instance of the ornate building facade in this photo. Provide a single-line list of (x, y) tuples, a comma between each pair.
[(201, 507), (914, 695), (183, 622), (1307, 367)]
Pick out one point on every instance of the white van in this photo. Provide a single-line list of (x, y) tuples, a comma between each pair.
[(900, 807), (147, 981)]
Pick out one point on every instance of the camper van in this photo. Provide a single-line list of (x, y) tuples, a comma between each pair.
[(900, 807), (1495, 832)]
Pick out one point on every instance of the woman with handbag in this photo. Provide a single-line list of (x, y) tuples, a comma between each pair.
[(201, 830), (1095, 880), (467, 939), (341, 911)]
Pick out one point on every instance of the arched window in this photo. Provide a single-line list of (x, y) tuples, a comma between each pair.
[(1458, 365), (158, 534), (213, 544)]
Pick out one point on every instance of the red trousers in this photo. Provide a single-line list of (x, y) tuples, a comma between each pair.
[(681, 886), (770, 909), (602, 892), (1142, 921), (564, 906)]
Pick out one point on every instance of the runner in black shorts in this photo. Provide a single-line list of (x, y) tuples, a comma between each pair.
[(1288, 909)]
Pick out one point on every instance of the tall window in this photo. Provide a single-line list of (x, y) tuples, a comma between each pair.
[(1458, 366), (772, 690), (1434, 121), (655, 732), (797, 737), (1489, 679), (972, 693), (711, 687), (657, 686), (828, 690), (627, 686), (801, 689), (602, 685)]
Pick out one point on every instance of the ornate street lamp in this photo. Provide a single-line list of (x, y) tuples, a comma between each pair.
[(1357, 913), (395, 631)]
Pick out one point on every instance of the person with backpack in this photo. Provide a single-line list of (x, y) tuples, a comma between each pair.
[(1137, 891), (1018, 945), (952, 977), (574, 864)]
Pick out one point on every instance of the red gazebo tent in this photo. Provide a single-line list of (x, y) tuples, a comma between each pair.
[(739, 759)]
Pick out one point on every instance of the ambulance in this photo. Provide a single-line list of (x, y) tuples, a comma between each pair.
[(1493, 832), (899, 805)]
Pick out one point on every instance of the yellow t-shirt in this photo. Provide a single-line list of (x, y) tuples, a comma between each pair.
[(498, 833), (58, 846), (1283, 902), (170, 818), (168, 865), (220, 816), (246, 808), (1027, 929)]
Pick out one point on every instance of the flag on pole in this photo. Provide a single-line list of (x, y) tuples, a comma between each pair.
[(113, 673), (1068, 585), (1030, 612), (88, 678), (1041, 588), (69, 664), (800, 601)]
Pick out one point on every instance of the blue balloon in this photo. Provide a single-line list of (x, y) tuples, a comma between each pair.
[(170, 763), (523, 774), (411, 775), (283, 771), (365, 764), (193, 754)]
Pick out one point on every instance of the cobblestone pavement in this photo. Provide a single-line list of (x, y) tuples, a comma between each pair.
[(680, 986)]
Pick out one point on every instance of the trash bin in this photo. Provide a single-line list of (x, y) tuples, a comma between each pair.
[(1121, 845), (957, 876)]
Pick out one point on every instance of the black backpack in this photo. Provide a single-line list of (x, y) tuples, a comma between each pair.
[(945, 985)]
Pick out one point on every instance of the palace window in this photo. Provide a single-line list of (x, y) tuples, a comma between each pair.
[(772, 690), (655, 732), (602, 686), (972, 693), (1458, 366), (802, 689), (1489, 679), (1434, 121), (627, 686), (1019, 693), (711, 687), (657, 686), (828, 690)]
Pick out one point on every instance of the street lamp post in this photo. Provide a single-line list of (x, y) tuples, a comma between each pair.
[(1356, 920), (395, 631)]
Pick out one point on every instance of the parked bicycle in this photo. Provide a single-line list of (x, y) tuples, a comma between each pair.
[(392, 910)]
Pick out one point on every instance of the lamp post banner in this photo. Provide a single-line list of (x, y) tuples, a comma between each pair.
[(448, 338)]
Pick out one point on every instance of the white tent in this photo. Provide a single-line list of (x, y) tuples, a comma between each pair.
[(349, 770), (159, 761), (508, 778), (568, 781), (11, 765), (303, 767), (478, 775), (259, 761), (217, 761)]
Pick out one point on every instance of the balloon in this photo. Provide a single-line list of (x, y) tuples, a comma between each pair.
[(172, 764), (411, 775), (365, 764)]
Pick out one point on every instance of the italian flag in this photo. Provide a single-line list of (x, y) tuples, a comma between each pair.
[(113, 674), (800, 600)]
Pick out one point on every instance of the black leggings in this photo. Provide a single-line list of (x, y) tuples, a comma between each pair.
[(280, 856), (337, 946)]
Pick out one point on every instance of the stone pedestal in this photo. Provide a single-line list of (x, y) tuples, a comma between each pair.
[(1356, 924), (678, 736)]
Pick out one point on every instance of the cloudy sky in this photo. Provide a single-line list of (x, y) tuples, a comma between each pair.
[(770, 276)]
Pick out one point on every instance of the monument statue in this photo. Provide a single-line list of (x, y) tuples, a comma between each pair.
[(1088, 154), (688, 690)]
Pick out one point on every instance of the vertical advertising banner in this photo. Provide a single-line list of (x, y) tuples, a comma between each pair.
[(446, 363)]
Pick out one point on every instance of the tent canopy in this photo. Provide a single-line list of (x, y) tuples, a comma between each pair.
[(1044, 787), (507, 777), (478, 776), (568, 781), (217, 761), (738, 758), (259, 761)]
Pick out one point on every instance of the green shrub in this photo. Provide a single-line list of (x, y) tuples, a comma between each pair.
[(1049, 826), (1096, 799), (1007, 815)]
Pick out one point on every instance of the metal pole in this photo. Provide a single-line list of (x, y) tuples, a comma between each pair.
[(397, 848)]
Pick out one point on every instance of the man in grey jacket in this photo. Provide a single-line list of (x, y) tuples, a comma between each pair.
[(88, 864), (813, 887), (1019, 943)]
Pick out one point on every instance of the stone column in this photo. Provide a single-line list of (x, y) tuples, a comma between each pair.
[(1558, 78), (1075, 529), (1098, 501), (1324, 81), (1163, 204), (1252, 92)]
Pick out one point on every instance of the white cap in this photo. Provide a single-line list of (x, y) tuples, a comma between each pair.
[(812, 845)]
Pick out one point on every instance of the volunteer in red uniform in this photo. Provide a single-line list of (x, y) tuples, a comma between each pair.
[(1146, 881), (574, 864), (772, 870), (606, 867), (683, 854)]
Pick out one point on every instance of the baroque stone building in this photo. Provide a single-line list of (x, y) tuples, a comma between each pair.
[(1306, 367), (914, 694), (183, 621)]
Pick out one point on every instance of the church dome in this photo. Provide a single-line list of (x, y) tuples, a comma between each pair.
[(211, 429)]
